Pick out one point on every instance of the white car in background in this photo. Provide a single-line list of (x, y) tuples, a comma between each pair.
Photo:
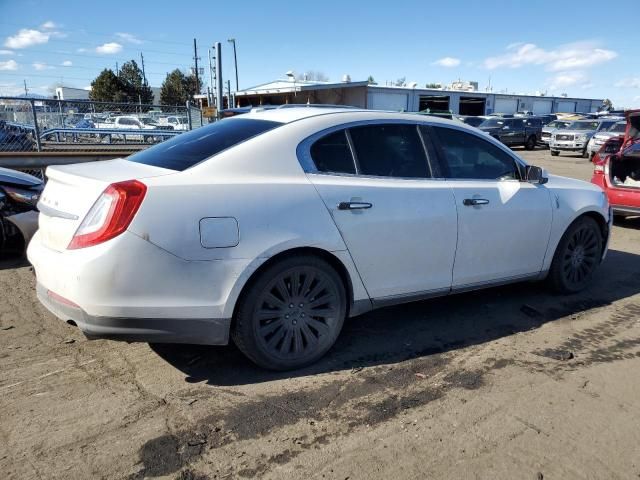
[(177, 122), (600, 138), (273, 227)]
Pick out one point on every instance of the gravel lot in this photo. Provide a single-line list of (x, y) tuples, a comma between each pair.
[(511, 382)]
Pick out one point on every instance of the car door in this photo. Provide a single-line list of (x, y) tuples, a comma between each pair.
[(517, 131), (398, 222), (503, 223)]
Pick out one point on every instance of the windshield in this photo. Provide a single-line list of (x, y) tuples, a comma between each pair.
[(619, 127), (492, 122), (583, 125), (187, 149), (558, 124), (146, 120)]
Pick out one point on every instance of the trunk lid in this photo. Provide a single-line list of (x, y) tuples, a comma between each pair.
[(71, 190), (632, 134)]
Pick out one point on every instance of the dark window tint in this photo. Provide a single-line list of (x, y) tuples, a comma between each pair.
[(332, 154), (187, 149), (534, 122), (389, 151), (518, 123), (468, 156)]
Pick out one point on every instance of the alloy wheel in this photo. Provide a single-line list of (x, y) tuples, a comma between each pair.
[(581, 256), (297, 313)]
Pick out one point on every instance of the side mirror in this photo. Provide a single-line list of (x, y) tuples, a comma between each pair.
[(535, 174)]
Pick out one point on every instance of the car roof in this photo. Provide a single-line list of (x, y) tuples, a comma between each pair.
[(288, 115)]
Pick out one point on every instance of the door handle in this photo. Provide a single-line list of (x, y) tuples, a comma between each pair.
[(471, 202), (354, 205)]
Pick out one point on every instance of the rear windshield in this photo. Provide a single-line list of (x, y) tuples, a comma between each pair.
[(187, 149)]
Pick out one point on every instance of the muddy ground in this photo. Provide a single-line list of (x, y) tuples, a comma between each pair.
[(512, 382)]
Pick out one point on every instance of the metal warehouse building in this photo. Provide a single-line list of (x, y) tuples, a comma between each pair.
[(408, 99)]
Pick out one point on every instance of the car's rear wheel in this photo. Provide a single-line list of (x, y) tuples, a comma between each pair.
[(292, 313), (585, 154), (554, 153), (577, 257), (531, 143)]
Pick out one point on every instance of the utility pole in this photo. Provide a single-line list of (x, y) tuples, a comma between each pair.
[(195, 58), (144, 77), (210, 90), (229, 104), (218, 50), (26, 90), (117, 72), (235, 60)]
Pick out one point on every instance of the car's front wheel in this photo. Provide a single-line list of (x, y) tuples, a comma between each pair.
[(554, 153), (577, 256), (291, 314)]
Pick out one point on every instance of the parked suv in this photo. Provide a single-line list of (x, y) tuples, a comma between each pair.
[(514, 131), (551, 127), (576, 136), (600, 138)]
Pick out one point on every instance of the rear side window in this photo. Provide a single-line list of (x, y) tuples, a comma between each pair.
[(467, 156), (187, 149), (332, 154), (393, 150)]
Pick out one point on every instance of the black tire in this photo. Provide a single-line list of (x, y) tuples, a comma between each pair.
[(530, 144), (275, 325), (577, 256), (585, 154), (554, 153)]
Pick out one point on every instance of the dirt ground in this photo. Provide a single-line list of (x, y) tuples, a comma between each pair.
[(506, 383)]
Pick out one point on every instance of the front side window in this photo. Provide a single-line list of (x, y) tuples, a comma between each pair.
[(467, 156), (332, 154), (389, 150), (518, 123)]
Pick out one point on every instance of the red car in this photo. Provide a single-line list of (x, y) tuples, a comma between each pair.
[(617, 168)]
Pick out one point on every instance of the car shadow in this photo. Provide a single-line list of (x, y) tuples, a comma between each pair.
[(629, 222), (419, 329), (9, 262)]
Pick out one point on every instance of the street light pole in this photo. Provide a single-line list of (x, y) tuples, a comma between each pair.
[(235, 60)]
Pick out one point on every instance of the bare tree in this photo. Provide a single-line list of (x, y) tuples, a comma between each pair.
[(313, 75), (401, 82)]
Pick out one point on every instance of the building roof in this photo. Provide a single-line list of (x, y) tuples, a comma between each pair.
[(290, 86)]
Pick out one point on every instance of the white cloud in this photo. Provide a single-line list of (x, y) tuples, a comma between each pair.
[(108, 48), (9, 65), (67, 63), (448, 62), (6, 52), (569, 79), (27, 38), (128, 37), (40, 66), (48, 25), (633, 82), (564, 57)]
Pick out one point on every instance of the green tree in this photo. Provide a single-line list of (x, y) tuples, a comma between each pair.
[(401, 81), (371, 80), (177, 88), (107, 87), (433, 85), (135, 87), (607, 105)]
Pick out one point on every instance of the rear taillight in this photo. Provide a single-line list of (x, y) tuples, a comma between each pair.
[(598, 168), (110, 215)]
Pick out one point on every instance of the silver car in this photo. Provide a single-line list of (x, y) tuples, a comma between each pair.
[(576, 136), (551, 127)]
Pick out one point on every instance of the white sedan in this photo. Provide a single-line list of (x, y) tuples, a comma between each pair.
[(273, 227)]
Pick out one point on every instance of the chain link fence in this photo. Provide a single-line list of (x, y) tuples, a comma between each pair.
[(44, 125)]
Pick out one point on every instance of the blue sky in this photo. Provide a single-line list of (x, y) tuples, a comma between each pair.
[(524, 47)]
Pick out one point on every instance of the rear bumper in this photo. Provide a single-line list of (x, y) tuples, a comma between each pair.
[(213, 331)]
